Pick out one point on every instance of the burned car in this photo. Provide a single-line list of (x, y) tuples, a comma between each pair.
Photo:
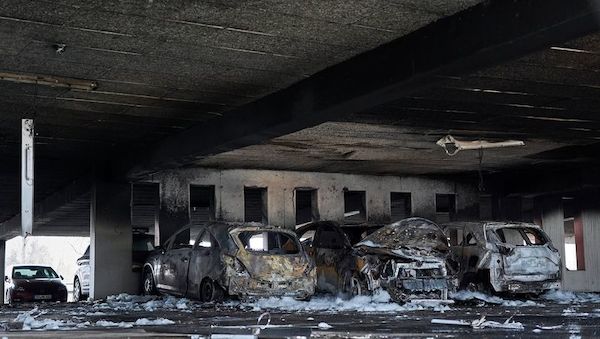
[(504, 257), (408, 259), (243, 260), (329, 247)]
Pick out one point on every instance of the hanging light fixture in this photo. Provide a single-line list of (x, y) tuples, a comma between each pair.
[(453, 146)]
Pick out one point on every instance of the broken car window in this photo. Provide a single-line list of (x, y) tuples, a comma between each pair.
[(455, 236), (520, 236), (270, 242), (470, 240), (205, 240), (307, 238), (329, 238)]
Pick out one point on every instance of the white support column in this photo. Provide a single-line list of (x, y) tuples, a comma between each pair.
[(27, 133), (111, 241)]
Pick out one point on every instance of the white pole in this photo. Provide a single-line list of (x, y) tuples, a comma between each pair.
[(27, 135)]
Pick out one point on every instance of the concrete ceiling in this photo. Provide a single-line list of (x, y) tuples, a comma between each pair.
[(163, 66), (549, 99)]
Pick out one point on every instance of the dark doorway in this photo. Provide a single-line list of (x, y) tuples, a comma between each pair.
[(400, 206), (255, 204), (306, 205), (355, 210), (202, 207)]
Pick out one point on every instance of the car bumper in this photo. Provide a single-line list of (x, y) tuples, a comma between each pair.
[(301, 288), (531, 287), (33, 297)]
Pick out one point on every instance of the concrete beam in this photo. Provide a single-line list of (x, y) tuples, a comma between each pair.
[(111, 241), (43, 215), (484, 35)]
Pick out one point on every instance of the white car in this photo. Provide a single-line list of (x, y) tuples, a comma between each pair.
[(143, 244), (81, 282)]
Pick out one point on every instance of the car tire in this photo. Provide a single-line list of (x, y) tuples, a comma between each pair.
[(351, 285), (148, 284), (77, 295), (210, 291)]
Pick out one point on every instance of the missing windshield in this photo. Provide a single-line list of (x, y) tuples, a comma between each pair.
[(268, 242), (521, 236)]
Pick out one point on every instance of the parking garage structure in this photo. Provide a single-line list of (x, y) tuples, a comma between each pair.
[(218, 115)]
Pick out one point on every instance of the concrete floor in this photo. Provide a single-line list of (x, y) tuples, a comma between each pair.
[(576, 320)]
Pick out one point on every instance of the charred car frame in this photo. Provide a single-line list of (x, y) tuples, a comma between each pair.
[(504, 256), (409, 259), (243, 260)]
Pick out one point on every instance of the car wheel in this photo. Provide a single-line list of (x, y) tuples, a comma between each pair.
[(77, 296), (210, 291), (351, 285), (149, 287)]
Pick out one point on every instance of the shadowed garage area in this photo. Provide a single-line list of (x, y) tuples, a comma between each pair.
[(153, 115)]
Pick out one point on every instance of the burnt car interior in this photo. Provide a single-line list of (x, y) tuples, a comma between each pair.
[(268, 242), (520, 236)]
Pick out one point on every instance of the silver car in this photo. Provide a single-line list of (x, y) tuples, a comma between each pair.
[(504, 256)]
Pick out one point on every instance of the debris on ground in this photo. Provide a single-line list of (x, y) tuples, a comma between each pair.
[(481, 323), (324, 326)]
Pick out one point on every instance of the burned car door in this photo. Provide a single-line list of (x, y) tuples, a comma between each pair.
[(456, 239), (174, 265), (333, 258), (204, 262)]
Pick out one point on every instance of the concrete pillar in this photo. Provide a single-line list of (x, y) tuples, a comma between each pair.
[(174, 207), (2, 269), (111, 240)]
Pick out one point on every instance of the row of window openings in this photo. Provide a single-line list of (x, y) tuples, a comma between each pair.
[(202, 204)]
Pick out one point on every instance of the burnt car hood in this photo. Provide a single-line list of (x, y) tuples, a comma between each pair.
[(412, 239), (39, 284)]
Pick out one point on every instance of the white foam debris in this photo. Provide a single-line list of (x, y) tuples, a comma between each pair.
[(127, 302), (481, 323), (148, 322), (464, 295), (567, 297), (31, 322), (106, 323), (379, 302), (138, 322), (324, 326)]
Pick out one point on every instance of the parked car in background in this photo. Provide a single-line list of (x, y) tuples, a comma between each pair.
[(504, 256), (410, 259), (34, 283), (143, 245), (243, 260), (330, 249)]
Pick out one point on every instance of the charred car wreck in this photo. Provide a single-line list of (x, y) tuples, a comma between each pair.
[(504, 257), (409, 259), (235, 259), (330, 249)]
